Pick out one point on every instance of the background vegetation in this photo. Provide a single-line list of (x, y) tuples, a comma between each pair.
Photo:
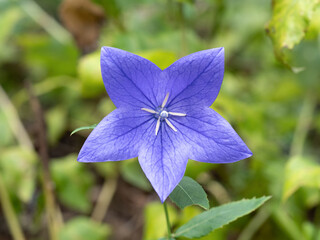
[(51, 84)]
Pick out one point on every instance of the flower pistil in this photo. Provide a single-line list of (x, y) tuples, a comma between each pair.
[(162, 114)]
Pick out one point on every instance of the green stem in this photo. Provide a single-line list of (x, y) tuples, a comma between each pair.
[(9, 213), (167, 219)]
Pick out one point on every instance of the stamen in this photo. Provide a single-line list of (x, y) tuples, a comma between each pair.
[(170, 125), (165, 101), (148, 110), (177, 114), (158, 126)]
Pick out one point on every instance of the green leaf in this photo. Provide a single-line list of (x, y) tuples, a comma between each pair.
[(83, 128), (289, 23), (217, 217), (300, 171), (82, 228), (42, 53), (189, 192), (155, 220), (73, 182)]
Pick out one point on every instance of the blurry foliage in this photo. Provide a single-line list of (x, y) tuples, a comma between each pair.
[(301, 171), (260, 97), (18, 167), (73, 182), (82, 228), (44, 56)]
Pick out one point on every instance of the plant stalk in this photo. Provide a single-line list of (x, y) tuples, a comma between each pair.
[(9, 213), (167, 219)]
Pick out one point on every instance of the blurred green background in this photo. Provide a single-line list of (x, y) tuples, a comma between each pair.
[(51, 84)]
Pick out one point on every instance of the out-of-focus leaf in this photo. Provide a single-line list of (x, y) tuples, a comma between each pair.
[(217, 217), (314, 26), (110, 7), (161, 58), (289, 23), (132, 173), (10, 15), (56, 120), (306, 56), (189, 192), (82, 228), (18, 170), (300, 172), (155, 220), (73, 182), (47, 57), (83, 128), (90, 75)]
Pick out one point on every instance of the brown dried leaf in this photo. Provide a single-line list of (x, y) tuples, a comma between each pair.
[(84, 20)]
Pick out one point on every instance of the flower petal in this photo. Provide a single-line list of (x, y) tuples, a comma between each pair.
[(163, 159), (195, 79), (212, 138), (129, 79), (117, 137)]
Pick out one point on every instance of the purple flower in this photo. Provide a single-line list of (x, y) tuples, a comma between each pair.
[(163, 116)]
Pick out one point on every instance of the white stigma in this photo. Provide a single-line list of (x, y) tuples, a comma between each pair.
[(162, 114)]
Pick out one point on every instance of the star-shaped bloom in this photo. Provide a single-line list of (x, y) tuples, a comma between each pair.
[(163, 117)]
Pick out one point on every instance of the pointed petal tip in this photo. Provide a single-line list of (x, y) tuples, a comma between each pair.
[(82, 158), (249, 153), (79, 159), (162, 200), (163, 197)]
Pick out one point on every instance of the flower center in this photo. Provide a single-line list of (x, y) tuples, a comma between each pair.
[(162, 114)]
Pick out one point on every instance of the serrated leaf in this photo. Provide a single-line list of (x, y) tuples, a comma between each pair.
[(189, 192), (83, 128), (217, 217), (289, 23), (300, 171)]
